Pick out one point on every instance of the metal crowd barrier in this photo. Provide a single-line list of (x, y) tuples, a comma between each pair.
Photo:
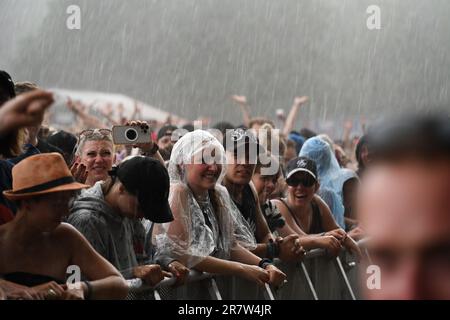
[(319, 276), (316, 277)]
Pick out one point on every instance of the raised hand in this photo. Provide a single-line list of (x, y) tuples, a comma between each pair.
[(25, 110)]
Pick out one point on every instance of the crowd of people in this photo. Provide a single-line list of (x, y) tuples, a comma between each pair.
[(223, 199)]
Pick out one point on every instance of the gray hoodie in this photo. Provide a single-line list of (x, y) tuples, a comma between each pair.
[(118, 239)]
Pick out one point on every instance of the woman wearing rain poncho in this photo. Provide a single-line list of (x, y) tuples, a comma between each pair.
[(208, 233)]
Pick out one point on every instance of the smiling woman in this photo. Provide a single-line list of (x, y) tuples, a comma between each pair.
[(207, 233), (95, 151)]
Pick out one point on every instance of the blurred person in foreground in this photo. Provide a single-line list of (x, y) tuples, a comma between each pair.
[(404, 206)]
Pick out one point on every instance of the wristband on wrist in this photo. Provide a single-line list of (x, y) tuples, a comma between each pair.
[(264, 263), (273, 250)]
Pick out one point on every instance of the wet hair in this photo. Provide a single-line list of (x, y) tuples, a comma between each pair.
[(418, 136), (96, 136)]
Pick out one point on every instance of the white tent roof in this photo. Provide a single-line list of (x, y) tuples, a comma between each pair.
[(99, 100)]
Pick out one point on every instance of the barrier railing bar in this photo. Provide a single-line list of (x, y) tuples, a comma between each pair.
[(344, 277), (308, 280), (321, 252), (137, 284), (268, 294), (156, 295), (214, 290)]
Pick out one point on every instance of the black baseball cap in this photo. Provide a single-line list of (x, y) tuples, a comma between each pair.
[(6, 84), (148, 180), (166, 130), (302, 164), (235, 139)]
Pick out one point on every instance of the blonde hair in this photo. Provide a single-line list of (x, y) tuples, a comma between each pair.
[(96, 136)]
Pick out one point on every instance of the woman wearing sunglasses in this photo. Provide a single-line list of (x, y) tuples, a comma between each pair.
[(307, 214)]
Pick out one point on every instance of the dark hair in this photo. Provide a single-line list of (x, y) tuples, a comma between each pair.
[(11, 143), (223, 126), (307, 133), (419, 136), (189, 127), (65, 141), (362, 142)]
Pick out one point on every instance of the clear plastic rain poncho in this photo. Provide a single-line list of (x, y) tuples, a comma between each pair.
[(330, 175), (199, 230)]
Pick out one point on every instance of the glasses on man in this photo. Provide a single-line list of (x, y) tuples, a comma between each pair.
[(306, 181), (90, 132)]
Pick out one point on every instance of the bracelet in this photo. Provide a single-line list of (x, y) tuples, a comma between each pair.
[(264, 263), (88, 295)]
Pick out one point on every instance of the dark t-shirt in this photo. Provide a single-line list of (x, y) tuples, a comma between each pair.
[(248, 207), (8, 208)]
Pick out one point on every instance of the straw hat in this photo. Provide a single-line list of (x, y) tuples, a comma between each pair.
[(41, 174)]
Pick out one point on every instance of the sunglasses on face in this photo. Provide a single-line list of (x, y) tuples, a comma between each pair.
[(306, 181)]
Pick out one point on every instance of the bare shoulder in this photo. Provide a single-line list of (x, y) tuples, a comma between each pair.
[(323, 207), (318, 200), (280, 205), (67, 233)]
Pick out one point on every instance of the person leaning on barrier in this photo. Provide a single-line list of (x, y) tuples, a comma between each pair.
[(240, 168), (108, 215), (307, 215), (208, 233), (265, 185), (37, 248), (404, 206)]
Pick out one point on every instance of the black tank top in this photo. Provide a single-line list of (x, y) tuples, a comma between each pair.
[(29, 279), (316, 223)]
